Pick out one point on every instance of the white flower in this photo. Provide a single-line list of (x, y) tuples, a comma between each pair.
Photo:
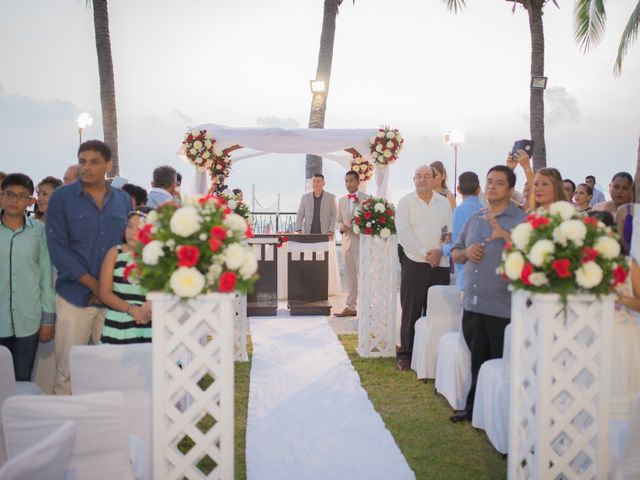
[(185, 221), (385, 232), (379, 207), (389, 144), (356, 229), (186, 282), (589, 275), (235, 222), (538, 279), (193, 151), (195, 132), (208, 136), (540, 251), (564, 209), (379, 148), (206, 155), (232, 204), (216, 151), (387, 153), (214, 272), (573, 230), (234, 256), (372, 140), (152, 252), (249, 265), (607, 247), (399, 139), (171, 243), (521, 234), (207, 143), (513, 265), (202, 237), (209, 162), (391, 134), (197, 144), (380, 134), (152, 217), (368, 224), (355, 168)]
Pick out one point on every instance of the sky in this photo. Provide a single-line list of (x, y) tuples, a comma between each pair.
[(409, 64)]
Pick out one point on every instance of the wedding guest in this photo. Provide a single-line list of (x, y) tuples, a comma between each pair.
[(84, 220), (548, 188), (582, 197), (620, 191), (486, 300), (598, 195), (317, 210), (422, 217), (440, 182), (27, 305), (468, 188), (238, 194), (163, 186), (569, 188), (128, 317), (44, 190), (70, 174), (350, 241), (138, 194)]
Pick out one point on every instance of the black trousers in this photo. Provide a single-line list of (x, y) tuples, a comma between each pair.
[(415, 280), (23, 350), (484, 335)]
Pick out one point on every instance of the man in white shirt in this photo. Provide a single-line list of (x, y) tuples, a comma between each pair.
[(423, 220), (165, 180)]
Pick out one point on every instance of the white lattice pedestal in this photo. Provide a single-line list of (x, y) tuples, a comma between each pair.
[(240, 328), (560, 386), (203, 329), (377, 286)]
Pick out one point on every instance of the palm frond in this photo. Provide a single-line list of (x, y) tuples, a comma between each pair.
[(455, 5), (629, 35), (590, 18)]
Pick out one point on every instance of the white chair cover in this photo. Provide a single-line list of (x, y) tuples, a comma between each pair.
[(624, 443), (46, 460), (444, 312), (101, 450), (126, 369), (453, 369)]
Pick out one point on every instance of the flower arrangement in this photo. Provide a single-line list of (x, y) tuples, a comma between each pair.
[(236, 205), (194, 249), (362, 167), (386, 146), (201, 150), (374, 216), (282, 239), (565, 252)]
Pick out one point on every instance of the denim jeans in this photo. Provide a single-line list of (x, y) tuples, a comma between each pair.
[(23, 350)]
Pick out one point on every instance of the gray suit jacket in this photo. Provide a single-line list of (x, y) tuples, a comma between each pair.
[(328, 211), (349, 239)]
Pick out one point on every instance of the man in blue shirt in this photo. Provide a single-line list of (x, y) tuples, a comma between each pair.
[(469, 188), (84, 220)]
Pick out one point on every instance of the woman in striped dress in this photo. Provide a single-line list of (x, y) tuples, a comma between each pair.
[(128, 318)]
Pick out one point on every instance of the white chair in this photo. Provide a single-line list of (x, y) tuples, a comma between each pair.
[(123, 368), (453, 369), (491, 403), (46, 460), (101, 450), (624, 445), (443, 315)]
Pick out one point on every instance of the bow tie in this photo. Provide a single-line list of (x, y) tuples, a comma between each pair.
[(353, 196)]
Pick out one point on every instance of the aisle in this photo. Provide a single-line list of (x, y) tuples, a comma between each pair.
[(308, 417)]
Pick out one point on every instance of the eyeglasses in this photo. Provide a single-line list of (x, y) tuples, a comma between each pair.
[(13, 196)]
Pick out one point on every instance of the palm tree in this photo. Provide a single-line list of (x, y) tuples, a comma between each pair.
[(107, 83), (590, 19)]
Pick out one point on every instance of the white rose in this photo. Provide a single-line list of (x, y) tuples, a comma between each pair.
[(355, 168), (538, 279), (195, 132), (209, 163), (521, 234), (573, 230), (185, 221), (391, 134), (207, 143), (208, 136), (589, 275), (197, 144), (202, 237), (385, 232), (389, 144), (187, 282), (356, 229), (368, 225), (399, 138), (540, 251), (379, 208), (234, 256), (193, 151), (607, 247), (387, 153), (216, 151), (379, 148), (249, 265), (171, 243), (564, 209), (214, 272), (380, 134), (206, 155), (513, 265), (235, 222), (152, 217), (152, 252)]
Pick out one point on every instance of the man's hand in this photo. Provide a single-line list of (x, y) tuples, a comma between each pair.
[(95, 300), (496, 229), (433, 257), (47, 332), (475, 252), (140, 315)]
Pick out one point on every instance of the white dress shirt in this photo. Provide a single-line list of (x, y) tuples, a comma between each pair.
[(419, 225)]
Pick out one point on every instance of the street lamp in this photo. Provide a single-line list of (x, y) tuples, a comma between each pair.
[(317, 86), (454, 138), (84, 120)]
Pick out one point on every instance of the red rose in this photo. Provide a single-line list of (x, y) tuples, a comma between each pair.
[(561, 267), (508, 245), (526, 273), (589, 254), (128, 269), (215, 244), (226, 212), (382, 220), (218, 232), (358, 220), (619, 275), (389, 211), (205, 199), (367, 215), (537, 221), (590, 221), (368, 231), (188, 255), (248, 233), (144, 234), (227, 282)]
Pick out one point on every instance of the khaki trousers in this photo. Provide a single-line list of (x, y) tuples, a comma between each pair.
[(74, 326), (351, 261)]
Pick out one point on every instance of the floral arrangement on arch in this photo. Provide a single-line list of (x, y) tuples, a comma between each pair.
[(362, 167), (283, 238), (201, 150), (562, 251), (194, 249), (236, 205), (386, 146), (374, 216)]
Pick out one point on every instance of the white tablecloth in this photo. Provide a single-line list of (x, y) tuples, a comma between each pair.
[(334, 271)]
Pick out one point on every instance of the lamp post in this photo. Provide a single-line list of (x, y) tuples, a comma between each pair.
[(454, 138), (84, 120)]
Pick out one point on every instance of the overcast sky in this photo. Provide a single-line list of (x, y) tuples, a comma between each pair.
[(410, 64)]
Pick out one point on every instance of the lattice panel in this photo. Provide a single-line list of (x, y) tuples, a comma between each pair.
[(240, 328), (377, 287), (560, 387), (193, 409)]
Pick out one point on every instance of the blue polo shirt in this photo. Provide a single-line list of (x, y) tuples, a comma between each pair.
[(79, 235)]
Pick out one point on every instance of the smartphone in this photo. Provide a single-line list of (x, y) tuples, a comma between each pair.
[(526, 145)]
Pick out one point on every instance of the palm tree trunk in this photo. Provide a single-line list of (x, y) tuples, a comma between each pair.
[(536, 98), (319, 100), (107, 83)]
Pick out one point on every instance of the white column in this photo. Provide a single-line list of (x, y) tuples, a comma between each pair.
[(240, 328), (560, 386), (377, 287), (203, 327)]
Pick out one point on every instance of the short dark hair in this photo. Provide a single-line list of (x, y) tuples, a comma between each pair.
[(2, 176), (623, 175), (178, 178), (590, 177), (164, 176), (568, 180), (604, 217), (53, 181), (353, 173), (468, 182), (319, 175), (236, 191), (138, 194), (17, 179), (511, 177), (96, 146)]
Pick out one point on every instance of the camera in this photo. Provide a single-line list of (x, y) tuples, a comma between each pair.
[(526, 145)]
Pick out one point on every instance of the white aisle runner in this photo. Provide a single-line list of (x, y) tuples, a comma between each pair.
[(308, 417)]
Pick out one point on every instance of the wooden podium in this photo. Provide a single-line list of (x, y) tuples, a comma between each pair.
[(263, 302), (308, 274)]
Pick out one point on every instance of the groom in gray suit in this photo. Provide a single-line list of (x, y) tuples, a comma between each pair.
[(317, 210)]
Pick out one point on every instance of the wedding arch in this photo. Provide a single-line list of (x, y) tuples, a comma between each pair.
[(208, 147)]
